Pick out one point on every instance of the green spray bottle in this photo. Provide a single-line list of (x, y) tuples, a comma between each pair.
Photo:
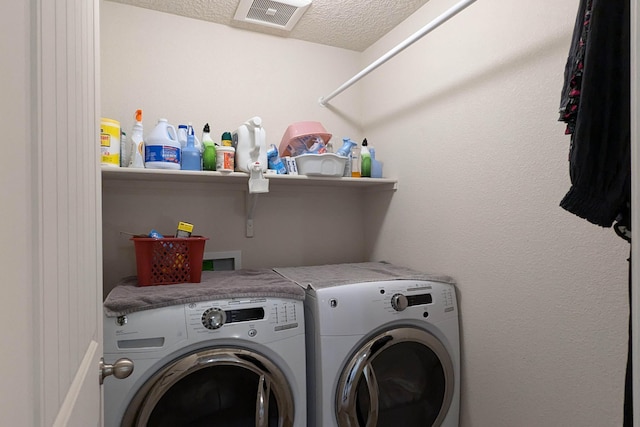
[(209, 154), (365, 155)]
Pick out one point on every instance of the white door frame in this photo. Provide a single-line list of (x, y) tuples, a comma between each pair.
[(635, 204)]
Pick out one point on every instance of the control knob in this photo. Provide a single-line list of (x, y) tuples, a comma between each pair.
[(213, 318), (399, 302)]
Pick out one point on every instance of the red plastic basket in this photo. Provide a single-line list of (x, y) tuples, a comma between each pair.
[(169, 260)]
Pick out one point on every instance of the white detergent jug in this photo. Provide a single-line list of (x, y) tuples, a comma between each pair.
[(251, 145), (162, 148)]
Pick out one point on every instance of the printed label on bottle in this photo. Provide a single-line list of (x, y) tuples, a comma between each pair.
[(105, 140), (161, 153), (225, 160)]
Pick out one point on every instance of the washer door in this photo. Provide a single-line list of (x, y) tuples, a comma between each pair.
[(402, 377), (222, 386)]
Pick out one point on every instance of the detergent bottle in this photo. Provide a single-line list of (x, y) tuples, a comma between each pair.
[(376, 166), (251, 145), (162, 149), (136, 145), (225, 139)]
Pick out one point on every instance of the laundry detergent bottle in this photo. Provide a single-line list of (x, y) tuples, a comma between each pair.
[(162, 149), (251, 145)]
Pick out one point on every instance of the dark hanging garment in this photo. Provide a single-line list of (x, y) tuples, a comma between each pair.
[(595, 103), (596, 106)]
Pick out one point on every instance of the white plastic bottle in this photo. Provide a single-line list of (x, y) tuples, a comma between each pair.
[(182, 135), (136, 143), (125, 151), (162, 149), (251, 145)]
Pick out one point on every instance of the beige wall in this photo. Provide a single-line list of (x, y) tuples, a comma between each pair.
[(189, 70), (466, 118)]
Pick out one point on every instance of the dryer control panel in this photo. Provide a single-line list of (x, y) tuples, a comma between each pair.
[(359, 307), (399, 302)]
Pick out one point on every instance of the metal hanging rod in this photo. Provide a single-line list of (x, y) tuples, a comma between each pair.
[(399, 48)]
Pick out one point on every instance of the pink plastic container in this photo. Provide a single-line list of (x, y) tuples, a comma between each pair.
[(302, 129)]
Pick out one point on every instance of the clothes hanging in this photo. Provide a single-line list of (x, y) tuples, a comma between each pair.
[(595, 104)]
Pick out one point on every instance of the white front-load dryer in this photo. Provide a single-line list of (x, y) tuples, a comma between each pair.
[(383, 354), (228, 362)]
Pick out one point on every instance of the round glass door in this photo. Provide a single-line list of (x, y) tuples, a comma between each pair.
[(402, 377), (227, 387)]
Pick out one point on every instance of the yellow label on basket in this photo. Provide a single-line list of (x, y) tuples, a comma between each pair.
[(185, 226), (184, 229)]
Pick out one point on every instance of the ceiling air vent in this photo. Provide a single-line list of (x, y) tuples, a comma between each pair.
[(281, 15)]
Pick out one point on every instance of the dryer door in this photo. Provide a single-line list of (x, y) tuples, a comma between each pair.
[(402, 377), (222, 386)]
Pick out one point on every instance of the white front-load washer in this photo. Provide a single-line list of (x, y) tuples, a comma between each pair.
[(383, 354), (226, 362)]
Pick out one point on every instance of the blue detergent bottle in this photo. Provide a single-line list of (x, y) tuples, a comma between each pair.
[(191, 156), (376, 166)]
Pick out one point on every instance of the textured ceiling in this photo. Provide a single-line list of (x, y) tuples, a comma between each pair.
[(349, 24)]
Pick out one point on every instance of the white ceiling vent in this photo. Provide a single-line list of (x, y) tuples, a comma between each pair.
[(282, 15)]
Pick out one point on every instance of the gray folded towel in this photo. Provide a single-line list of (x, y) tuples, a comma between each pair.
[(322, 276), (127, 297)]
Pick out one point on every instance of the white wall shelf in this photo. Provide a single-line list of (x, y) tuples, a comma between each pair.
[(162, 175), (239, 179)]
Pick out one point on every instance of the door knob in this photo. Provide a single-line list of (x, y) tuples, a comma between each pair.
[(122, 368)]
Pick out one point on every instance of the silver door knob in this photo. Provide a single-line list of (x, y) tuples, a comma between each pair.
[(122, 368)]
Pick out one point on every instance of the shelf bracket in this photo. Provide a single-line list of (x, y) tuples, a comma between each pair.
[(252, 200), (257, 184)]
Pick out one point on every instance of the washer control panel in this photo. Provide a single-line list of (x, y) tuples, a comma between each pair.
[(244, 316)]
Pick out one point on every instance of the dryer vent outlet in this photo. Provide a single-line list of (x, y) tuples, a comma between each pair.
[(273, 14)]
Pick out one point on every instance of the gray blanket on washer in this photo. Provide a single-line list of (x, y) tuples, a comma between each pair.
[(322, 276), (127, 297)]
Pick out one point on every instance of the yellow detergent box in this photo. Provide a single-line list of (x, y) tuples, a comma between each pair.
[(184, 229)]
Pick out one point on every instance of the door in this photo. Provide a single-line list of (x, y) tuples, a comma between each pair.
[(65, 199), (401, 377)]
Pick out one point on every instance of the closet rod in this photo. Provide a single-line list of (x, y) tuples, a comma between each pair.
[(399, 48)]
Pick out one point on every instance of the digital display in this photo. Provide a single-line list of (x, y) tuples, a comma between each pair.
[(419, 299), (245, 315)]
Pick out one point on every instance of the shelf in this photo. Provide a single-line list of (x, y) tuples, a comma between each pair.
[(164, 175)]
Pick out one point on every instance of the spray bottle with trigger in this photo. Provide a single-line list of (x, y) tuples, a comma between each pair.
[(191, 157), (137, 143), (345, 151), (366, 159), (209, 153)]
